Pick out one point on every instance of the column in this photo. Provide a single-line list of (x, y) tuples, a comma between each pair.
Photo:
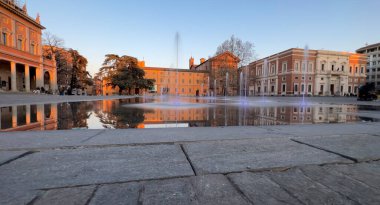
[(28, 114), (13, 77), (27, 78), (39, 77), (53, 79), (41, 116), (14, 116)]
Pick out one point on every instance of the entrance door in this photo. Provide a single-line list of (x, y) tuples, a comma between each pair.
[(332, 89)]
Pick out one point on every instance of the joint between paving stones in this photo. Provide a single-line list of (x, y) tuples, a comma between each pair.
[(18, 157), (92, 195), (237, 188), (326, 150), (188, 159)]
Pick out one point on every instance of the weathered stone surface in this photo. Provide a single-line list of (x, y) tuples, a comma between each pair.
[(16, 195), (349, 187), (67, 196), (211, 189), (307, 190), (243, 155), (9, 155), (368, 173), (117, 194), (46, 139), (362, 148), (50, 169), (261, 190)]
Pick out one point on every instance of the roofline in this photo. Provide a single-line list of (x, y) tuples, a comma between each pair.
[(238, 59), (21, 14), (173, 69), (369, 46)]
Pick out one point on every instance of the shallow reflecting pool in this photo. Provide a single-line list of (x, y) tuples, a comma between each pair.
[(176, 112)]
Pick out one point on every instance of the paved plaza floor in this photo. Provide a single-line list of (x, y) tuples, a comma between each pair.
[(305, 164), (292, 164)]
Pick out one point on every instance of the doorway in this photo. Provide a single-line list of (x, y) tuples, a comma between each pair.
[(332, 89)]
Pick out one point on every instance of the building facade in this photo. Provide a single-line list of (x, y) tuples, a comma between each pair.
[(312, 72), (206, 79), (373, 63), (22, 65), (223, 73)]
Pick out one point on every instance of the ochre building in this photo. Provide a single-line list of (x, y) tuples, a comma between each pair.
[(22, 66), (205, 79), (314, 72)]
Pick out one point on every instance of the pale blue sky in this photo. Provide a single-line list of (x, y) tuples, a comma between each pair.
[(146, 29)]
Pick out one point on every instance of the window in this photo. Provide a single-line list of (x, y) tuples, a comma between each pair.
[(32, 49), (323, 67), (283, 78), (309, 89), (296, 78), (361, 70), (350, 69), (356, 69), (342, 68), (283, 88), (321, 89), (19, 44), (332, 67), (322, 78), (297, 66), (272, 89), (4, 38), (295, 87), (284, 67), (302, 88)]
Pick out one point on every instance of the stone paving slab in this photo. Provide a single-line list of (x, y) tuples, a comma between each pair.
[(44, 139), (243, 155), (355, 190), (36, 140), (50, 169), (262, 190), (361, 148), (16, 195), (5, 156), (211, 189), (68, 196), (368, 173), (307, 190)]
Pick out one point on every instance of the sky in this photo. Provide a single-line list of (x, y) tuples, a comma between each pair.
[(146, 28)]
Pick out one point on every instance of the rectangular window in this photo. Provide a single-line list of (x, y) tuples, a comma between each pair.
[(32, 49), (332, 67), (4, 39), (19, 44), (350, 69), (356, 70), (272, 89), (323, 67), (342, 68), (321, 89), (295, 88), (361, 70), (309, 89), (283, 88), (302, 88)]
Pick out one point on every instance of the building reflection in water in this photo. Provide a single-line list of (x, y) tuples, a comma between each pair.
[(29, 117), (111, 114)]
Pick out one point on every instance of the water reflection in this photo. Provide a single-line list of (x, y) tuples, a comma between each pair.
[(29, 117), (116, 114)]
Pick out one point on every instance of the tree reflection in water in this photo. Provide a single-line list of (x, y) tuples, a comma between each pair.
[(120, 117), (74, 115)]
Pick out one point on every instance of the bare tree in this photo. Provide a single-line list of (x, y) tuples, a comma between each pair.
[(243, 50), (52, 41)]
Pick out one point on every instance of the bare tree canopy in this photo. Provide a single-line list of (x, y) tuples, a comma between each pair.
[(52, 40), (243, 50)]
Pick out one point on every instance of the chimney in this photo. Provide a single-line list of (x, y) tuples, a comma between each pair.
[(191, 62), (203, 60)]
